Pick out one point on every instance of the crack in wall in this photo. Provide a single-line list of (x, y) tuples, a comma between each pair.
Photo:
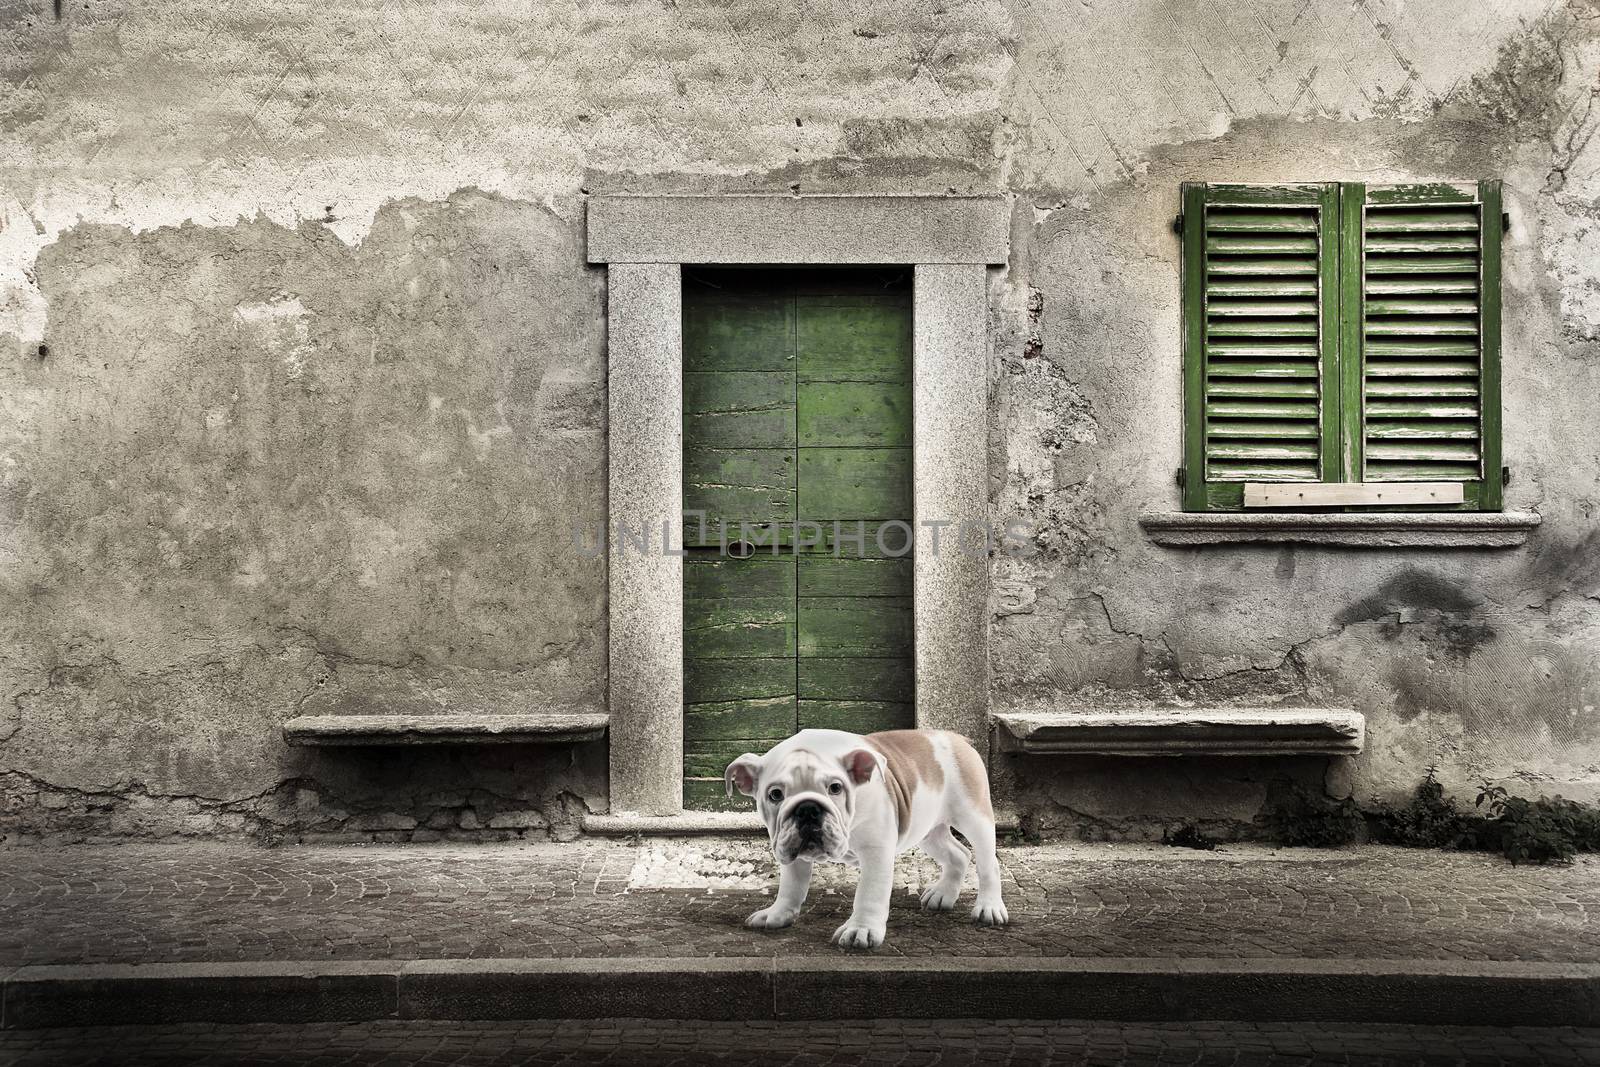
[(1565, 153)]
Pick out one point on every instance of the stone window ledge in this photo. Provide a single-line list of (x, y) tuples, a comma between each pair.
[(1184, 732), (1453, 529), (459, 729)]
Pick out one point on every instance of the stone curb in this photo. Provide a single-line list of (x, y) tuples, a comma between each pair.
[(1392, 991)]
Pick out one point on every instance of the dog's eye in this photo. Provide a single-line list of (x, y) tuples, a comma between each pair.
[(835, 788), (775, 795)]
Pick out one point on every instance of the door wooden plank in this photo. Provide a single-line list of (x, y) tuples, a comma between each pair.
[(889, 679), (875, 287), (855, 483), (709, 759), (754, 484), (710, 794), (711, 680), (759, 577), (738, 629), (770, 717), (728, 409), (731, 333), (863, 539), (836, 414), (824, 537), (855, 627), (853, 344), (856, 716), (826, 576)]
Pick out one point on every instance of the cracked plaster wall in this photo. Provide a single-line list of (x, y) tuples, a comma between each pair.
[(301, 377)]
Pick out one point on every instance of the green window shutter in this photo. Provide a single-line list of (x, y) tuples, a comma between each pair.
[(1341, 333), (1429, 314), (1260, 338)]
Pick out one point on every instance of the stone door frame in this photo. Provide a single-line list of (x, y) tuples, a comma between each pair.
[(645, 242)]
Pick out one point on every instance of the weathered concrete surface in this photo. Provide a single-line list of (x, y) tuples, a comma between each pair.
[(263, 474), (301, 379), (1480, 663)]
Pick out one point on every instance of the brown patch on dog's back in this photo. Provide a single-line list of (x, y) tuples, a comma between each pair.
[(974, 776), (912, 766)]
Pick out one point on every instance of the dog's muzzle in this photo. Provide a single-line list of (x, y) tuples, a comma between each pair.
[(808, 829), (807, 817)]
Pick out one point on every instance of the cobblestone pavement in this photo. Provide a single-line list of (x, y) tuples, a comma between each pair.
[(592, 898), (882, 1044)]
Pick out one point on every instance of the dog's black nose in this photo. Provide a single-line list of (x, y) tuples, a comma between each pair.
[(807, 811)]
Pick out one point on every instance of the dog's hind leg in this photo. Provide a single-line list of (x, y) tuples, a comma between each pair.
[(989, 909), (952, 860)]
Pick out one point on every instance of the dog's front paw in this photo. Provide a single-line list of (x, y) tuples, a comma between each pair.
[(940, 897), (990, 913), (858, 935), (773, 918)]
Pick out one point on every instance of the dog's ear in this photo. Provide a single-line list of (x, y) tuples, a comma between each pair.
[(860, 763), (743, 774)]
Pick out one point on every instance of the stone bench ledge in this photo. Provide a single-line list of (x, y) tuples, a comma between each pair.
[(458, 729), (1184, 732)]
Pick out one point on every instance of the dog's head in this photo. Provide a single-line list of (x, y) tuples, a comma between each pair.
[(807, 800)]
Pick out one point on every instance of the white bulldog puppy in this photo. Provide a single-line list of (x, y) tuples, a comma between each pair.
[(828, 795)]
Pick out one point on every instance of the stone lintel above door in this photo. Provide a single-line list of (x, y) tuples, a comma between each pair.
[(781, 230)]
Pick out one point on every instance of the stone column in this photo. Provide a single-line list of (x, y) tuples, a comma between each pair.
[(645, 449), (950, 485)]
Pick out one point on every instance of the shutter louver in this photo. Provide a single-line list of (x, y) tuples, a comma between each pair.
[(1422, 333), (1263, 314)]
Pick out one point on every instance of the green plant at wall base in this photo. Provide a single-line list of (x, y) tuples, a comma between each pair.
[(1300, 820), (1546, 830), (1430, 820)]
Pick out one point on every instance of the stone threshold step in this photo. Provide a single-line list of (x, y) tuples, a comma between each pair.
[(1423, 992), (720, 823)]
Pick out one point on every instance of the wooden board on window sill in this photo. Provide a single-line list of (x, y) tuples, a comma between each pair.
[(1340, 494)]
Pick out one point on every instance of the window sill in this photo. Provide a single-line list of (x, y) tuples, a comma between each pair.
[(1437, 529)]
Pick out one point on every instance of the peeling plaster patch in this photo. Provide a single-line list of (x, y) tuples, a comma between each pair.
[(1050, 459), (357, 189), (22, 306), (281, 322)]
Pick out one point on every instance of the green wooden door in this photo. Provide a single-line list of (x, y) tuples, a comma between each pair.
[(797, 447)]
